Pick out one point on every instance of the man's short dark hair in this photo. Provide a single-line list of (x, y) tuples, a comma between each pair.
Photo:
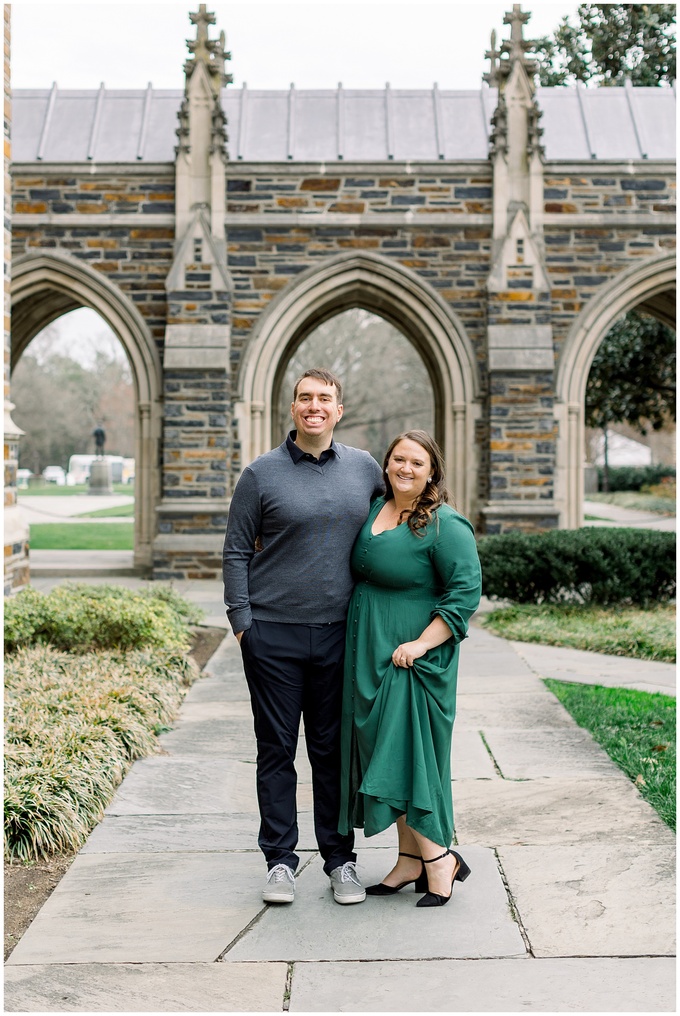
[(321, 374)]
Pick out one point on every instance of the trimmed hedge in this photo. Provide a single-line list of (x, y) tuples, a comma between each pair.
[(80, 618), (633, 477), (588, 565)]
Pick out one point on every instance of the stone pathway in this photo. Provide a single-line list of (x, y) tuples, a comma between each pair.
[(614, 515), (569, 906), (584, 667), (67, 508)]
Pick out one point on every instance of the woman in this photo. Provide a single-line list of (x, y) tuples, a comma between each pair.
[(418, 582)]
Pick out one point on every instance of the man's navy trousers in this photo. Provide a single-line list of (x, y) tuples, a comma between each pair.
[(296, 670)]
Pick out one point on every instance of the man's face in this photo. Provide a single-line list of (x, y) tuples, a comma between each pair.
[(316, 411)]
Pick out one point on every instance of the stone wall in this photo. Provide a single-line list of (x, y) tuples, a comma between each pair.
[(579, 259), (68, 194), (607, 194), (367, 193), (263, 260), (285, 221), (16, 570), (134, 257)]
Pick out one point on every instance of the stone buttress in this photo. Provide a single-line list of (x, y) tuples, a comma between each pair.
[(192, 513), (520, 346)]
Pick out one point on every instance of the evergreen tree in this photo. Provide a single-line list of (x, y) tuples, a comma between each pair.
[(632, 378)]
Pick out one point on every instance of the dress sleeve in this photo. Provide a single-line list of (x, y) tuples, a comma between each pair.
[(455, 559)]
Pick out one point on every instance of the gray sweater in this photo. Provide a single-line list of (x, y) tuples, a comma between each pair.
[(307, 517)]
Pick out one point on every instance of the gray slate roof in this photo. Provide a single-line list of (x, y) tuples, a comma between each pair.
[(138, 126)]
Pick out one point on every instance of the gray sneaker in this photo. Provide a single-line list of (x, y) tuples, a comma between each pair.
[(280, 885), (346, 885)]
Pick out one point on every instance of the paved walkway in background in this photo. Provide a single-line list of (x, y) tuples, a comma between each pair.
[(65, 508), (614, 515), (569, 906)]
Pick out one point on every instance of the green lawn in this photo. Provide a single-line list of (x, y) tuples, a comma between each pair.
[(123, 511), (82, 536), (636, 729), (51, 490), (636, 501), (619, 631)]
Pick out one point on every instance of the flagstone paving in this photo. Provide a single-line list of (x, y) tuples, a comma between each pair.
[(569, 905)]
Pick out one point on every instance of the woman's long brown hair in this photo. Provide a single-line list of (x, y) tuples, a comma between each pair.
[(434, 494)]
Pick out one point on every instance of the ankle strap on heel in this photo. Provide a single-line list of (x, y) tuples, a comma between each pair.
[(431, 859), (415, 857)]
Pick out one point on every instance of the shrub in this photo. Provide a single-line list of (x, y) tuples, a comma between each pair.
[(74, 724), (634, 477), (666, 489), (604, 566), (79, 618)]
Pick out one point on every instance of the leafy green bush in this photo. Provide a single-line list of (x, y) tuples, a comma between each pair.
[(79, 618), (634, 477), (587, 565), (74, 724)]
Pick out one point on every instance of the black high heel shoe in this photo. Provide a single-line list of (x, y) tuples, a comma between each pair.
[(389, 890), (431, 899)]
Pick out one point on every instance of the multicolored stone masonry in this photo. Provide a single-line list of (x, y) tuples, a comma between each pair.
[(377, 194), (263, 258)]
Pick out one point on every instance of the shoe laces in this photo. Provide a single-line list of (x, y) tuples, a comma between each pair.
[(280, 873), (348, 873)]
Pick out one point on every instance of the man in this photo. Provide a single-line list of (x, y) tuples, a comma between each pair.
[(293, 519)]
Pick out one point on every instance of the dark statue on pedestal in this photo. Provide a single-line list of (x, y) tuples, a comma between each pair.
[(99, 435)]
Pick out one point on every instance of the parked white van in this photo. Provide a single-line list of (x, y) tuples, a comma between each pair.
[(79, 467), (54, 474)]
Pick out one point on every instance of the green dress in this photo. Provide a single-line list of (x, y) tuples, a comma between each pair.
[(396, 722)]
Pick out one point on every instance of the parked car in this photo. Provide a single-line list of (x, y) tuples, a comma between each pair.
[(22, 478), (54, 474)]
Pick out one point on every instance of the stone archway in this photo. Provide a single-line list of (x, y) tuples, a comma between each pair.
[(398, 295), (649, 286), (45, 286)]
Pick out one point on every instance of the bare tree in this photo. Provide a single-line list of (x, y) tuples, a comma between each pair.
[(59, 401)]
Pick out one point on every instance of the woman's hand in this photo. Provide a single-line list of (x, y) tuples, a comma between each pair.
[(407, 652), (436, 632)]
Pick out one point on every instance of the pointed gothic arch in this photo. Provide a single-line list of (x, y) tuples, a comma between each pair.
[(649, 286), (397, 294), (44, 287)]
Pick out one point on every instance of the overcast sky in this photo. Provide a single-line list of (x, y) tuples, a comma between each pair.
[(315, 45)]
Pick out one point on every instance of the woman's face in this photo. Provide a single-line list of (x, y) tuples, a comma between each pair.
[(408, 469)]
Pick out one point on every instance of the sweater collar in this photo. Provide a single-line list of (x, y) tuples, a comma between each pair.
[(297, 454)]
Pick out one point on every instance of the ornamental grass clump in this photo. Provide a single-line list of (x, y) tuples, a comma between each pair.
[(74, 724), (92, 674)]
